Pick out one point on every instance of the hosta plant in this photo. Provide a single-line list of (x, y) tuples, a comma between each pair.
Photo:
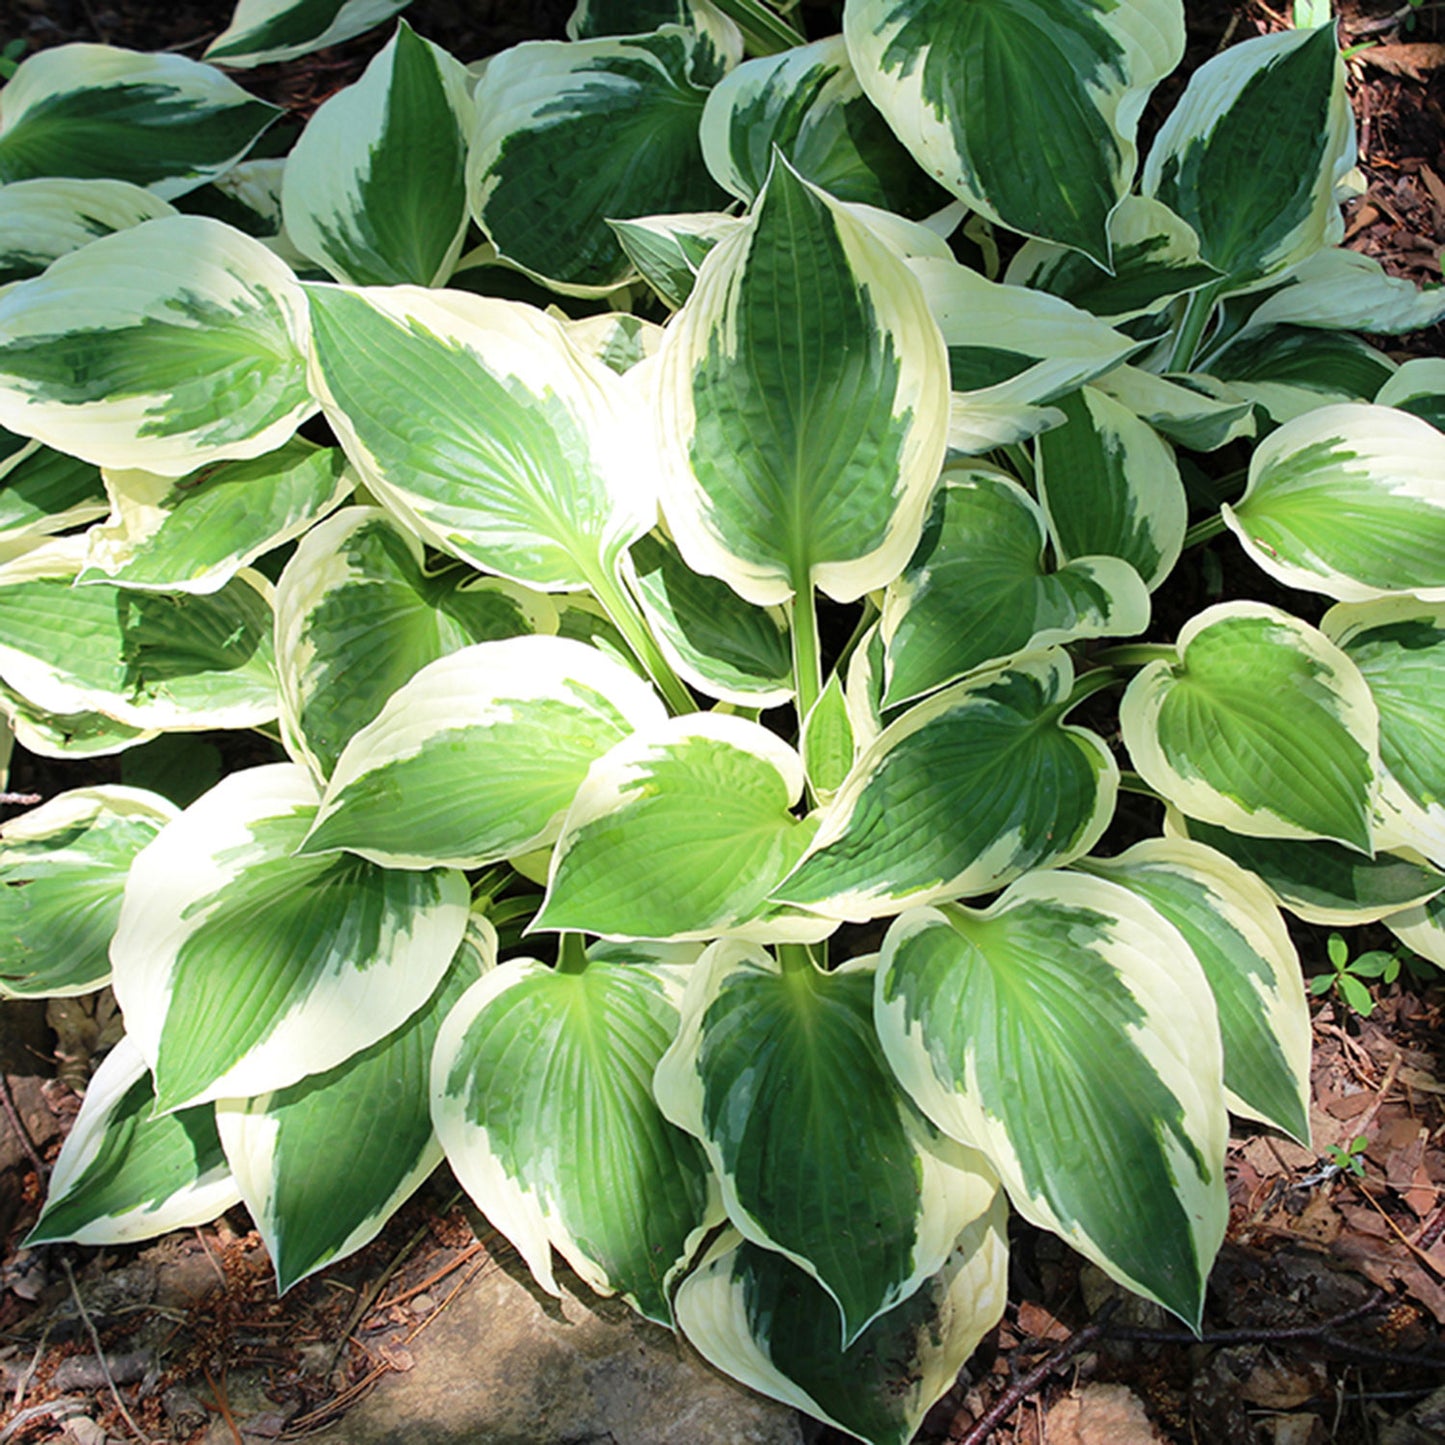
[(705, 605)]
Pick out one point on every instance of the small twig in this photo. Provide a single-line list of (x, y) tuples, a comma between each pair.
[(1261, 1335), (223, 1405), (20, 800), (100, 1355), (62, 1407), (470, 1275), (1386, 1084), (215, 1263), (371, 1294), (7, 1102), (23, 1383), (1404, 1238), (1429, 1234), (1020, 1390), (472, 1249)]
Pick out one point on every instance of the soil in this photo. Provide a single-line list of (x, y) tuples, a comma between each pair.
[(1326, 1311)]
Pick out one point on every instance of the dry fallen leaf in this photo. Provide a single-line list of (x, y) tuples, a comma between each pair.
[(1415, 62), (1283, 1385), (1037, 1323), (1100, 1415)]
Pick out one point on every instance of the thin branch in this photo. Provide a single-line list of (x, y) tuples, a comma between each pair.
[(7, 1102), (100, 1355), (1260, 1335), (1018, 1392)]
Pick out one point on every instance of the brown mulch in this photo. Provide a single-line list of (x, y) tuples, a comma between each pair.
[(1326, 1316)]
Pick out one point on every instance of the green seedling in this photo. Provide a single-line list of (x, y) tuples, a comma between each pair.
[(1348, 978), (1349, 1158)]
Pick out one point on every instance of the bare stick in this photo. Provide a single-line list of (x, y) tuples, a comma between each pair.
[(100, 1354), (1018, 1392), (7, 1102)]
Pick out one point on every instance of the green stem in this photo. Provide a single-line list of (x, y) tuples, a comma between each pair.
[(490, 883), (807, 659), (1090, 683), (627, 618), (572, 954), (1131, 782), (1137, 654), (794, 957), (866, 619), (764, 32), (1204, 529), (1022, 463), (1191, 329)]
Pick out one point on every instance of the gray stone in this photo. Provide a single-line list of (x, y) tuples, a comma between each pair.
[(502, 1364)]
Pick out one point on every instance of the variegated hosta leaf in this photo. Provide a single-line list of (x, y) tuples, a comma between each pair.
[(679, 831), (1291, 370), (966, 791), (1422, 929), (976, 591), (242, 968), (971, 88), (357, 615), (913, 240), (719, 643), (67, 735), (591, 19), (166, 346), (125, 1173), (478, 756), (1350, 501), (162, 660), (807, 103), (1069, 1033), (43, 491), (1320, 881), (375, 189), (1263, 726), (754, 1316), (1230, 921), (263, 32), (1155, 257), (559, 130), (193, 534), (667, 250), (1251, 154), (1010, 352), (323, 1165), (43, 219), (1110, 487), (617, 339), (62, 868), (248, 197), (827, 743), (794, 458), (863, 687), (485, 429), (1419, 388), (1399, 646), (1192, 409), (161, 121), (542, 1099), (778, 1071), (1344, 290)]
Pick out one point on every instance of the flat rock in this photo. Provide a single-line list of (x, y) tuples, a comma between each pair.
[(502, 1364)]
